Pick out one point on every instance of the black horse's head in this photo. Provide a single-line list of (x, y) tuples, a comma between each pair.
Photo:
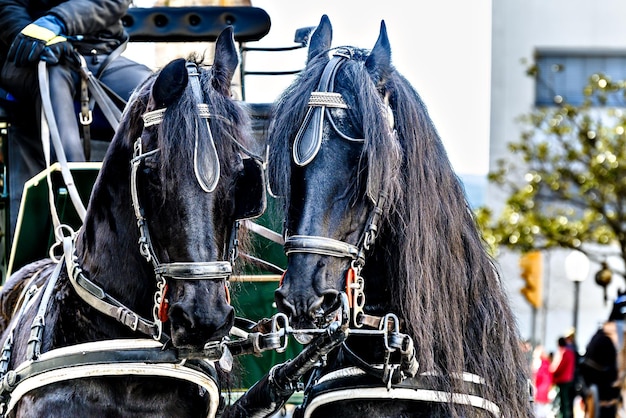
[(191, 179), (333, 155), (193, 185), (374, 207)]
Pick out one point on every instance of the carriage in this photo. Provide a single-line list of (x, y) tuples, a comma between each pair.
[(344, 349)]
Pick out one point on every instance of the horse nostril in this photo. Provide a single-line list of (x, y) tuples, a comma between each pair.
[(283, 304), (316, 307), (179, 316), (224, 329), (330, 300)]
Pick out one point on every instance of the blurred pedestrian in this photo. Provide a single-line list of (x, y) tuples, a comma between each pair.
[(562, 368), (543, 382), (599, 368)]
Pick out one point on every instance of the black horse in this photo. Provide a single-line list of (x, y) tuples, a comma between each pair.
[(148, 269), (374, 209)]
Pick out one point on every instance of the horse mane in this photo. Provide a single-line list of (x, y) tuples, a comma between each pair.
[(452, 302)]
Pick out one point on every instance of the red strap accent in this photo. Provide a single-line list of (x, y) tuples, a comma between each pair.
[(227, 290), (164, 305), (280, 283), (350, 279)]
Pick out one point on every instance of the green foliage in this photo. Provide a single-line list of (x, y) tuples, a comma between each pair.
[(565, 177)]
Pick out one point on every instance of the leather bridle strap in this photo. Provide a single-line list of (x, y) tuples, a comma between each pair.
[(145, 243), (308, 139), (320, 245), (101, 301), (211, 270), (208, 181)]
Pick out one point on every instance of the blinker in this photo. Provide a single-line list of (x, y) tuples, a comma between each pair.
[(308, 140), (250, 194)]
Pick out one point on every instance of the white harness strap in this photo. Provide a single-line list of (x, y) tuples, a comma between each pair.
[(98, 362), (417, 394), (396, 394), (50, 130)]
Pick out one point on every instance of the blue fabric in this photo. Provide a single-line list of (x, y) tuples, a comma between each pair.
[(51, 23)]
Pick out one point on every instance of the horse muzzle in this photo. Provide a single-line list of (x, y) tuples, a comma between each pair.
[(307, 309)]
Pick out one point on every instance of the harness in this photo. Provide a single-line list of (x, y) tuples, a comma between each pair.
[(354, 384)]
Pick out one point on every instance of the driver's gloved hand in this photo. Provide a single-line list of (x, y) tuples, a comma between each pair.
[(40, 40)]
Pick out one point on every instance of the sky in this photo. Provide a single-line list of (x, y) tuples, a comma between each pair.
[(442, 47)]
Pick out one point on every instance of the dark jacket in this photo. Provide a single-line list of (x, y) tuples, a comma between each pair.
[(599, 365), (98, 21)]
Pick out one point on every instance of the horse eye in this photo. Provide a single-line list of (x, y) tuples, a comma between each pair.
[(344, 123), (151, 162)]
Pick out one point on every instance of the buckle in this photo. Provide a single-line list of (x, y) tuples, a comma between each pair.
[(135, 323), (85, 120)]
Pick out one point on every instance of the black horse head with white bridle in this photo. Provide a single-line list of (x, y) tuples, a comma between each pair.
[(374, 211), (149, 267)]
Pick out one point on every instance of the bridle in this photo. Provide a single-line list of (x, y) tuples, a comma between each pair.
[(306, 146), (208, 270), (356, 378)]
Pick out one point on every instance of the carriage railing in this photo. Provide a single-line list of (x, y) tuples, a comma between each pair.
[(301, 40), (203, 24)]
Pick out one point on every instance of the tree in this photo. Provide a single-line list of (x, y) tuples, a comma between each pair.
[(570, 187)]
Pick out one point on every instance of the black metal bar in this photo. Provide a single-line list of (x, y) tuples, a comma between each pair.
[(195, 23), (271, 72)]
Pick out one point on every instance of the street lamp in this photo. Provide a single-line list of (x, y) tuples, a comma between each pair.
[(576, 270)]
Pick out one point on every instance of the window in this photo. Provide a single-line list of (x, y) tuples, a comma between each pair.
[(562, 75)]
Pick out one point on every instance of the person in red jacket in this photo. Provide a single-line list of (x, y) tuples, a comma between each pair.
[(563, 368), (543, 382), (54, 31)]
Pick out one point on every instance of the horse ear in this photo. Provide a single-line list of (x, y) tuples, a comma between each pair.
[(378, 63), (321, 38), (170, 83), (225, 62)]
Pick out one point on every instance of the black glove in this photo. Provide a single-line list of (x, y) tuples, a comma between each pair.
[(41, 39), (56, 50)]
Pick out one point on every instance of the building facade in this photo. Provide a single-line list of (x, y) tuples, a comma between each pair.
[(589, 36)]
